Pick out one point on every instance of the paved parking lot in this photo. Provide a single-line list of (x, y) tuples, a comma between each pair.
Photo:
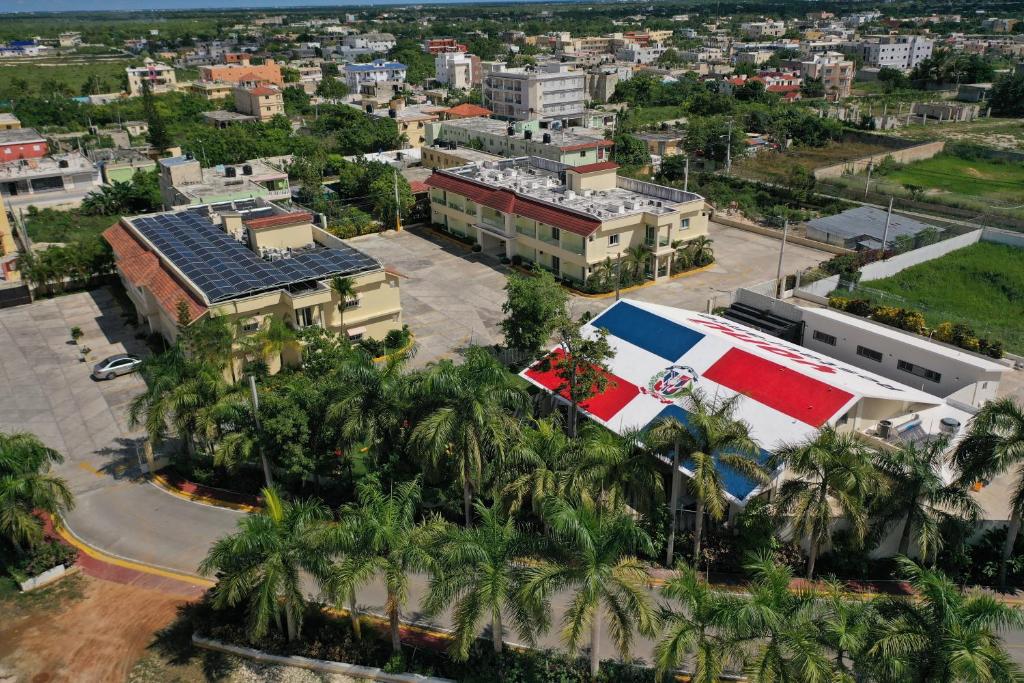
[(452, 297)]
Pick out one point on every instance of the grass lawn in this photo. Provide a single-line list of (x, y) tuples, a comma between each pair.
[(646, 116), (971, 177), (50, 225), (72, 72), (1002, 133), (981, 285), (775, 166)]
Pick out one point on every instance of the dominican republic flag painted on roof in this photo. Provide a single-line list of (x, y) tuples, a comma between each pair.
[(786, 391)]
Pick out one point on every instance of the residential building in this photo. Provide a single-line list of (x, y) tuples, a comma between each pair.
[(755, 57), (640, 54), (833, 69), (996, 25), (436, 46), (763, 29), (412, 120), (457, 70), (60, 180), (69, 39), (9, 122), (450, 155), (896, 52), (269, 72), (865, 227), (465, 111), (160, 77), (118, 164), (555, 94), (602, 80), (663, 143), (212, 90), (184, 182), (566, 219), (249, 261), (21, 143), (377, 71), (366, 44), (522, 138), (218, 118), (261, 101)]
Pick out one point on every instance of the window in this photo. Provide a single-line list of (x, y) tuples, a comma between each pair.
[(555, 234), (351, 303), (918, 371), (303, 317), (824, 338), (869, 353), (613, 240), (250, 326), (685, 224)]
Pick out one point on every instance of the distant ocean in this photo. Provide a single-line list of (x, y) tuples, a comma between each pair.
[(17, 6)]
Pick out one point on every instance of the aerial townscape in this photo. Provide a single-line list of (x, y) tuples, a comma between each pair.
[(573, 342)]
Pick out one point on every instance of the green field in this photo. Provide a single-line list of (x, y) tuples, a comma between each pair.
[(981, 285), (947, 174), (50, 225), (35, 78)]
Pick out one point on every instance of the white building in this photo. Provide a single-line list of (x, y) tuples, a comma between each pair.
[(553, 93), (160, 77), (640, 54), (454, 69), (367, 43), (896, 52), (763, 29), (377, 71)]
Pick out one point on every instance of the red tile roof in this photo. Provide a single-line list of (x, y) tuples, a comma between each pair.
[(586, 145), (509, 202), (263, 91), (418, 186), (142, 268), (591, 168), (467, 110), (291, 218)]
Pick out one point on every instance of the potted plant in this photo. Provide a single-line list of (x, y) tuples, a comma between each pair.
[(84, 353), (76, 334)]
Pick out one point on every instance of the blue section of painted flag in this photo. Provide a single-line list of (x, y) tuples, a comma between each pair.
[(734, 483), (648, 331)]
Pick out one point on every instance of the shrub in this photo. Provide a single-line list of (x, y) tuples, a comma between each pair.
[(517, 260), (41, 558), (477, 248), (861, 307)]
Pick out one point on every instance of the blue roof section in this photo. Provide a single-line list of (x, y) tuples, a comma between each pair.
[(224, 269), (647, 331), (734, 483), (374, 66)]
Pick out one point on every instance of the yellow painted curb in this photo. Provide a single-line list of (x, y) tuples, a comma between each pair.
[(160, 481), (692, 271), (97, 554), (408, 345)]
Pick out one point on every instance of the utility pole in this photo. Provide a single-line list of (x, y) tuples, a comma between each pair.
[(728, 152), (779, 285), (259, 430), (398, 206), (885, 233), (868, 183), (618, 274), (686, 174)]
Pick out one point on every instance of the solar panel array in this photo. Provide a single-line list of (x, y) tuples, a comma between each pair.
[(223, 268)]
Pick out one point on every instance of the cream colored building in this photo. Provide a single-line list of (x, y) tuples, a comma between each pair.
[(161, 78), (835, 71), (9, 122), (250, 261), (261, 101), (212, 90), (566, 219)]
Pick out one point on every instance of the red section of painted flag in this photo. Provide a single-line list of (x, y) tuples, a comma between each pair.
[(604, 406), (809, 400)]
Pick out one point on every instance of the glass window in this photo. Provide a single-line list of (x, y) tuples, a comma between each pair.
[(825, 338), (304, 317), (918, 371), (869, 353), (613, 240)]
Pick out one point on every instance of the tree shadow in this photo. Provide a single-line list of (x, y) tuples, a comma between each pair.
[(173, 644), (124, 455)]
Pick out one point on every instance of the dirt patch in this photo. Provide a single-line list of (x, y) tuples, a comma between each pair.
[(973, 172), (83, 630)]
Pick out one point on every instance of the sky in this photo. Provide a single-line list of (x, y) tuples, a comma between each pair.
[(116, 5)]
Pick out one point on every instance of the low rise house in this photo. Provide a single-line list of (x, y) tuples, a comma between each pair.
[(412, 120), (566, 219), (251, 261), (184, 182), (159, 77), (268, 72), (218, 118), (60, 180), (212, 90), (866, 227), (9, 121), (450, 155), (21, 143), (261, 102), (523, 138), (377, 71)]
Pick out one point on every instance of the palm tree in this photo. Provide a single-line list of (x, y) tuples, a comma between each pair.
[(634, 261), (27, 486), (473, 418), (701, 253), (539, 465), (919, 495), (940, 634), (480, 576), (665, 432), (212, 340), (844, 627), (260, 564), (697, 629), (273, 337), (619, 467), (994, 445), (596, 565), (682, 259), (780, 627), (712, 439), (344, 288), (828, 468), (379, 536)]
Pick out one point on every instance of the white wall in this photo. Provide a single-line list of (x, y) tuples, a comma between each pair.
[(883, 269)]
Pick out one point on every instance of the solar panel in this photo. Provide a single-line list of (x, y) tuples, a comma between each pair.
[(223, 268)]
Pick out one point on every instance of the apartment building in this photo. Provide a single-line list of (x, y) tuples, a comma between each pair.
[(896, 52), (436, 46), (184, 182), (457, 70), (640, 54), (412, 120), (566, 219), (268, 72), (160, 77), (261, 101), (552, 93), (377, 71), (450, 155), (250, 261), (835, 71), (522, 138), (368, 43), (763, 29)]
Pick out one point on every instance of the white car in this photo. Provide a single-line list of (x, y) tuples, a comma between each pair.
[(121, 364)]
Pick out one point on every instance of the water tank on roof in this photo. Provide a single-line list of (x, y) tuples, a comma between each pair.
[(949, 425), (547, 138), (392, 113), (884, 429), (511, 131), (63, 163), (528, 135), (247, 169), (230, 171)]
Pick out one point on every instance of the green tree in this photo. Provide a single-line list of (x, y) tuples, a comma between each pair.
[(630, 151), (28, 486), (1008, 96), (994, 445), (379, 536), (620, 469), (533, 306), (540, 465), (940, 634), (480, 577), (919, 496), (635, 261), (383, 198), (701, 253), (344, 288), (596, 566), (260, 564), (472, 419), (829, 468), (331, 88), (158, 134)]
